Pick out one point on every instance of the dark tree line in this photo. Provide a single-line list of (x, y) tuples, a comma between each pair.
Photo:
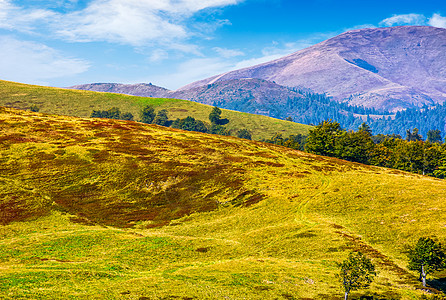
[(112, 113), (149, 116), (411, 154), (424, 118)]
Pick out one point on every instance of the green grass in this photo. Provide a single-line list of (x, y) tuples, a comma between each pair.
[(106, 209), (81, 103)]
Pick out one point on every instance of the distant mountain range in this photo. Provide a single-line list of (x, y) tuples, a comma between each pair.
[(384, 69), (139, 89)]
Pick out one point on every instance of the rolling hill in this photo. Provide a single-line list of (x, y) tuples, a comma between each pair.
[(107, 209), (82, 103), (388, 68)]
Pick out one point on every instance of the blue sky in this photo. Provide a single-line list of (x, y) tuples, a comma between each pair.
[(171, 43)]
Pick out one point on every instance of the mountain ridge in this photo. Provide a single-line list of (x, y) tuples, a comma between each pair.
[(352, 67)]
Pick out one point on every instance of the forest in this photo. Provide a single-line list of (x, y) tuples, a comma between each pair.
[(412, 154)]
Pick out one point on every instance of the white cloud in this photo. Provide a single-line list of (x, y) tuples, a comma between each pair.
[(406, 19), (158, 55), (144, 24), (32, 62), (228, 53), (438, 21), (135, 22), (13, 17), (415, 19)]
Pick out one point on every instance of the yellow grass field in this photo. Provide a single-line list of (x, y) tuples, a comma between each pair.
[(107, 209)]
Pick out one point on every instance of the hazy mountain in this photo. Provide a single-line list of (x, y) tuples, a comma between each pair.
[(139, 89), (390, 68)]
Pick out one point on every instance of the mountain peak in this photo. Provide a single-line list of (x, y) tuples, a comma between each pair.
[(391, 67)]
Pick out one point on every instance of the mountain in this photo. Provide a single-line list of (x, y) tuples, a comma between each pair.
[(387, 68), (248, 95), (139, 89), (109, 209)]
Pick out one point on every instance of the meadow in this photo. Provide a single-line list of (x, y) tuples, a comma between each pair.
[(81, 104), (108, 209)]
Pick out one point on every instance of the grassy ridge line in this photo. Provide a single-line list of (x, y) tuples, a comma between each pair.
[(222, 239), (81, 103)]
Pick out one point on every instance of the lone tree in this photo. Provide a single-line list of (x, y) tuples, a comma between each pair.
[(426, 257), (161, 118), (215, 117), (147, 114), (357, 271), (244, 134), (34, 108)]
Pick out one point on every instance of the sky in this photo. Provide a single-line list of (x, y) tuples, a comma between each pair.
[(171, 43)]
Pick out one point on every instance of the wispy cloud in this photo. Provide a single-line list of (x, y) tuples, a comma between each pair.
[(32, 62), (438, 21), (228, 53), (20, 19), (415, 19), (406, 19)]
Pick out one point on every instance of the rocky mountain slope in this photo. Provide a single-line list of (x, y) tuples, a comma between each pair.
[(390, 68), (248, 95)]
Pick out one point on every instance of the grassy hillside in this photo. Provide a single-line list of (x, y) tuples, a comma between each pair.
[(106, 209), (82, 103)]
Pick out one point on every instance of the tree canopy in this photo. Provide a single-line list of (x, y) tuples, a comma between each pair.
[(161, 118), (356, 272), (147, 114), (112, 113), (322, 139), (426, 257), (215, 117)]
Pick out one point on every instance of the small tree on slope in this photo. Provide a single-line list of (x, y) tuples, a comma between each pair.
[(426, 257), (357, 271)]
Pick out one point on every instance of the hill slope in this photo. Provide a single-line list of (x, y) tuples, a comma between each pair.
[(124, 210), (390, 68), (82, 103)]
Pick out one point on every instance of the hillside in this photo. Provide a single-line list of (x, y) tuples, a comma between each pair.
[(108, 209), (388, 68), (82, 103), (257, 96)]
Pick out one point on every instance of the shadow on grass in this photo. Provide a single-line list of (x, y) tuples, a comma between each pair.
[(439, 284)]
